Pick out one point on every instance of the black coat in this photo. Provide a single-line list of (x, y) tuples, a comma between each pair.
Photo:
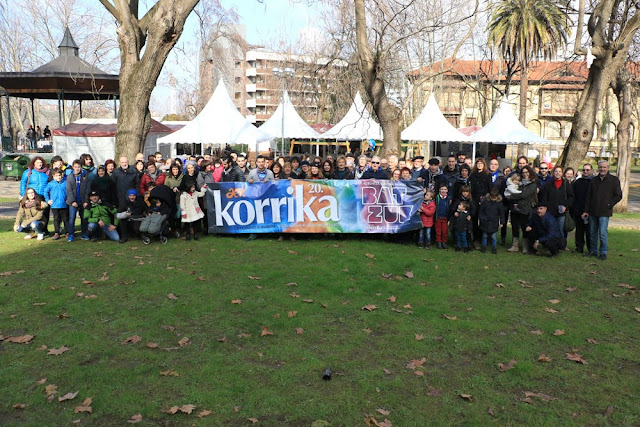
[(525, 200), (370, 174), (490, 214), (136, 208), (233, 174), (188, 181), (342, 174), (553, 197), (580, 189), (124, 181), (602, 196), (480, 185), (460, 222)]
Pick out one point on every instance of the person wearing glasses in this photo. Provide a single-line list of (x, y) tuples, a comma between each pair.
[(580, 188), (375, 172), (544, 176)]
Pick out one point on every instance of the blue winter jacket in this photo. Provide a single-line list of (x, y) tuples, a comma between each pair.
[(57, 192), (38, 181)]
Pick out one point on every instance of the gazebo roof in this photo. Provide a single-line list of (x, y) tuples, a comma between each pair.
[(68, 75)]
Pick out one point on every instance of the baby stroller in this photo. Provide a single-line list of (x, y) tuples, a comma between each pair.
[(158, 225)]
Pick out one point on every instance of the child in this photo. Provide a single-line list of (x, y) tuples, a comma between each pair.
[(156, 214), (56, 196), (513, 185), (443, 204), (101, 218), (491, 216), (78, 185), (464, 196), (427, 211), (191, 211), (461, 226), (30, 215), (150, 186)]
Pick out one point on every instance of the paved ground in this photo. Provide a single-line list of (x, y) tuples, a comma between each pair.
[(10, 189)]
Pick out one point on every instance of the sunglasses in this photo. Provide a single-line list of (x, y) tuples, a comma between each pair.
[(376, 163), (544, 169), (586, 170)]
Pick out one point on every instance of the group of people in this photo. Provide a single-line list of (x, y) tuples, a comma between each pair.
[(473, 200)]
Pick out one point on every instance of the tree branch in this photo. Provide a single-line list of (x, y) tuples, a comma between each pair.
[(111, 9)]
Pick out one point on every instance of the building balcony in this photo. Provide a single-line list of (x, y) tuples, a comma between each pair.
[(251, 118), (556, 112), (250, 72), (251, 87), (251, 103)]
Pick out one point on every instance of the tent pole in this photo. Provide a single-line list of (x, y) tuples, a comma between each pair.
[(80, 103), (33, 115), (64, 118), (115, 106), (59, 111), (9, 119)]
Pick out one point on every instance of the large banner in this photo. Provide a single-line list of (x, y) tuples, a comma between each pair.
[(300, 206)]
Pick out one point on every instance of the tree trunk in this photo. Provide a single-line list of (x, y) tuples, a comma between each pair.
[(157, 32), (524, 87), (622, 89), (371, 69)]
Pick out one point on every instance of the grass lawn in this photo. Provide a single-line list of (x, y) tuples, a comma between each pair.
[(424, 342)]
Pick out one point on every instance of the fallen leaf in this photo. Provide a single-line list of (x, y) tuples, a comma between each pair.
[(575, 357), (413, 364), (169, 328), (406, 306), (236, 301), (291, 284), (236, 409), (202, 278), (537, 332), (382, 411), (276, 316), (419, 337), (386, 371), (172, 410), (85, 406), (299, 331), (369, 307), (292, 313), (23, 339), (172, 296), (499, 285), (433, 391), (571, 289), (184, 342), (254, 277), (505, 367), (554, 301), (637, 309), (608, 412), (592, 341), (392, 298), (169, 373), (418, 373), (490, 411), (558, 332), (253, 420), (51, 389), (486, 267), (544, 358), (57, 351), (243, 335), (41, 381), (550, 310), (204, 413), (42, 348), (187, 409), (93, 296), (19, 406), (542, 396), (367, 330), (409, 274), (370, 255), (133, 339), (135, 419), (308, 300), (63, 316), (265, 331), (68, 396), (387, 275), (465, 396), (294, 295), (152, 345), (444, 316), (222, 339), (624, 285)]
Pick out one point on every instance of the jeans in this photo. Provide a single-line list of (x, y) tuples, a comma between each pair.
[(494, 239), (461, 239), (95, 229), (36, 226), (425, 236), (598, 226), (72, 219)]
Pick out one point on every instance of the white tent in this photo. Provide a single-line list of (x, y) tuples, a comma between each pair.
[(504, 128), (294, 125), (219, 123), (356, 125), (431, 125), (98, 138)]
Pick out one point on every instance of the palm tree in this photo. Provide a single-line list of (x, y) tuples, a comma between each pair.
[(525, 30)]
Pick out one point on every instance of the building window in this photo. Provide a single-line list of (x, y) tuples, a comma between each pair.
[(238, 80), (471, 121), (238, 63), (238, 95)]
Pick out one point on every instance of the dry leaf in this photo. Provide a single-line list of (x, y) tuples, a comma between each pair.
[(169, 373), (222, 339), (387, 371), (433, 391), (276, 316), (291, 284), (413, 364), (299, 331), (63, 316), (499, 285), (369, 307), (152, 345), (169, 328), (387, 275), (187, 409), (51, 389), (575, 357), (255, 277), (19, 406), (409, 274), (243, 335), (419, 337), (236, 409), (382, 411), (85, 406), (544, 358), (68, 396), (23, 339), (292, 313), (253, 420), (204, 414), (537, 332), (406, 306), (505, 367), (135, 419), (542, 396), (294, 295), (42, 348), (490, 412), (558, 332), (57, 351), (465, 396), (133, 339), (392, 298), (571, 289), (418, 373), (550, 310), (202, 278), (308, 300), (637, 309), (444, 316), (265, 331), (554, 301), (367, 330), (41, 381), (172, 296), (370, 255), (236, 301), (184, 342), (172, 410)]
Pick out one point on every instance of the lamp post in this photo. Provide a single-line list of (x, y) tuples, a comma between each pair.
[(283, 74)]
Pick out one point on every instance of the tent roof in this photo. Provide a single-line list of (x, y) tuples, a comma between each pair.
[(431, 125), (100, 128), (504, 128), (294, 125), (218, 123), (356, 125)]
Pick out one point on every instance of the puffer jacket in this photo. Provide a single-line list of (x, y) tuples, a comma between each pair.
[(57, 193), (36, 180), (97, 212), (146, 179), (490, 214)]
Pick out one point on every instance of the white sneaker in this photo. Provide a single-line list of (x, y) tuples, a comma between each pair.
[(28, 236), (40, 236)]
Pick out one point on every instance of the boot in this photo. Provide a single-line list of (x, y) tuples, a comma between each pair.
[(188, 236), (483, 249), (514, 245), (525, 246), (195, 236)]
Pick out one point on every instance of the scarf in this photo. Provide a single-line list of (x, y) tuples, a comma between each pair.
[(44, 170), (153, 175)]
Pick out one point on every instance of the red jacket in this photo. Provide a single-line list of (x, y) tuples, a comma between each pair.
[(146, 179), (428, 211)]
